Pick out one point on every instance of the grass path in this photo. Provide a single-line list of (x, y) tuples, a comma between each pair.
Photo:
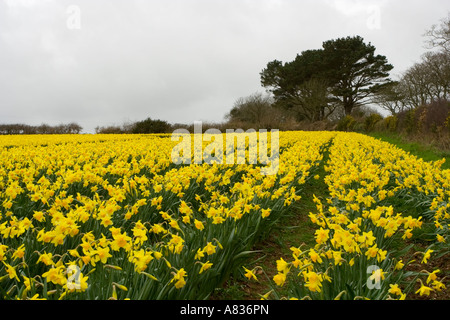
[(427, 153), (293, 230)]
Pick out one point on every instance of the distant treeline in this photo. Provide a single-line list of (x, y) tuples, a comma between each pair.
[(18, 128), (141, 127)]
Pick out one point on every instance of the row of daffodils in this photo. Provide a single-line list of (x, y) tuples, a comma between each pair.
[(113, 217), (361, 241)]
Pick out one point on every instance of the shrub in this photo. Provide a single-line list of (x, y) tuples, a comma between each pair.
[(151, 126), (391, 123), (109, 130), (371, 121), (407, 122), (346, 124)]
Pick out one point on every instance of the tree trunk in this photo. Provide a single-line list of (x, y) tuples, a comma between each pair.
[(348, 106)]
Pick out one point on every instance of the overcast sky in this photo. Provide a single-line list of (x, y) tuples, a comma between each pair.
[(106, 62)]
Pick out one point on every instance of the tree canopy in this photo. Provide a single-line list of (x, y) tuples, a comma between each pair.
[(345, 73)]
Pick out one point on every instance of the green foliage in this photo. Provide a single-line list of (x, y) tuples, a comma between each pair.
[(354, 70), (391, 123), (151, 126), (346, 124), (447, 123), (348, 67), (410, 121), (371, 121)]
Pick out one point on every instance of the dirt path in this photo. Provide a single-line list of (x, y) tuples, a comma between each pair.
[(293, 230)]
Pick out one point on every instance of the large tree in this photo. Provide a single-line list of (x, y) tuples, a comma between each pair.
[(347, 67), (299, 85), (355, 71)]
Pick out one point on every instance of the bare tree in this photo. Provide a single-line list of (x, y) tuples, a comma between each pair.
[(257, 109), (73, 128), (391, 98), (439, 35), (437, 65), (427, 81), (417, 86)]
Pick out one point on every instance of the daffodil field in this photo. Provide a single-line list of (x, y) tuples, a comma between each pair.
[(355, 256), (112, 217)]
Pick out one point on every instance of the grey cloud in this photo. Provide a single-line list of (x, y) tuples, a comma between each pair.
[(177, 60)]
